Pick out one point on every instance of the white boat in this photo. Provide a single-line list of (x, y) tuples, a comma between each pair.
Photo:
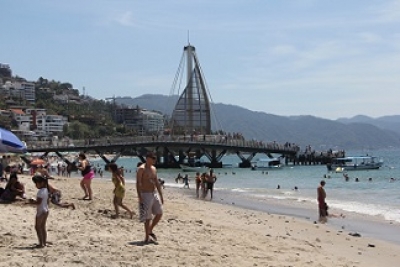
[(200, 169), (355, 163), (266, 163)]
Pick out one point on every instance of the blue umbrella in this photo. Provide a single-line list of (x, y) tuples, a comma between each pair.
[(10, 143)]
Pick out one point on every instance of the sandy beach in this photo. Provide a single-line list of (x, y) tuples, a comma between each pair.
[(191, 233)]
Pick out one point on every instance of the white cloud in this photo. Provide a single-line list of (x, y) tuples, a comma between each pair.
[(125, 19), (283, 50), (369, 37), (390, 12)]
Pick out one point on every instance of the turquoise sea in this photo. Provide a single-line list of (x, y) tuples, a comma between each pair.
[(379, 198)]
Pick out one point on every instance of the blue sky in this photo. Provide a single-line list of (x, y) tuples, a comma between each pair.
[(328, 59)]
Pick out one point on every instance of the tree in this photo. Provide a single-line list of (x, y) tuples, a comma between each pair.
[(77, 130)]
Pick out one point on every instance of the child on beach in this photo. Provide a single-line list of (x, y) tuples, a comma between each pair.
[(186, 181), (55, 198), (42, 213), (119, 190)]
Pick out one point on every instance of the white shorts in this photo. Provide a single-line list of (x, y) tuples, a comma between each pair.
[(151, 205)]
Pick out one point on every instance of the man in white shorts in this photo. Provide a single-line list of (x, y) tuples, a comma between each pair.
[(150, 203)]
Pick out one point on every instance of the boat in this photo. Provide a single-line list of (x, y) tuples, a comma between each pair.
[(355, 163), (266, 163), (200, 169)]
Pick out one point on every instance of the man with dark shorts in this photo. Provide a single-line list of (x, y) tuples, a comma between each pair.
[(210, 180), (150, 203)]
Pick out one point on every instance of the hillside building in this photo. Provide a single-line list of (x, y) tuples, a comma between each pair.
[(22, 91), (140, 120), (36, 123)]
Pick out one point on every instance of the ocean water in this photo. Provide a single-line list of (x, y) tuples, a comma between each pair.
[(379, 197)]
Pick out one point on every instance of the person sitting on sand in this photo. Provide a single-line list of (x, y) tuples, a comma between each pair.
[(55, 197), (13, 189)]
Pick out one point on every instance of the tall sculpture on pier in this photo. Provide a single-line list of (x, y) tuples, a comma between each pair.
[(192, 112)]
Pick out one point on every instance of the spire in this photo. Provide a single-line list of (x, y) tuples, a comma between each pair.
[(192, 111)]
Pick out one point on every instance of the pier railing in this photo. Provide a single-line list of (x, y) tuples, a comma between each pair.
[(203, 139)]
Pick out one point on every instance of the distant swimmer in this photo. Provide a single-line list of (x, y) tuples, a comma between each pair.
[(346, 177), (357, 180), (392, 179), (278, 187)]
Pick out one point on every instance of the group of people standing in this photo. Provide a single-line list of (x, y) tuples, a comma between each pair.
[(204, 183), (148, 186)]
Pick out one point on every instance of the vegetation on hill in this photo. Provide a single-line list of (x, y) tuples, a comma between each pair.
[(88, 117)]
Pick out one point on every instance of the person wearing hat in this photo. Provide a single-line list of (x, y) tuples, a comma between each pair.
[(150, 203)]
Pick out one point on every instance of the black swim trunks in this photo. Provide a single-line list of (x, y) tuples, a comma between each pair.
[(210, 185)]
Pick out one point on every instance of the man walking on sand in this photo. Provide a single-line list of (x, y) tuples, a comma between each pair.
[(150, 203)]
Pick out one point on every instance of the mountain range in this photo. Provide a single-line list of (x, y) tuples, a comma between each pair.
[(359, 132)]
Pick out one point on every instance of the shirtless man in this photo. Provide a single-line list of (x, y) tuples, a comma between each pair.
[(210, 180), (150, 203)]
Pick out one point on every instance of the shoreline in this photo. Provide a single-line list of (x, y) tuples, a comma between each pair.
[(365, 225), (191, 233)]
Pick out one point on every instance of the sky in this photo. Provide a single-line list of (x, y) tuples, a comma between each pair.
[(328, 59)]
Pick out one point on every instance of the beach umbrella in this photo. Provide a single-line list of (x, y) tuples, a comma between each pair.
[(37, 162), (10, 143)]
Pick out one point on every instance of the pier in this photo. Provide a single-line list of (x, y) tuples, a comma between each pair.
[(172, 151)]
